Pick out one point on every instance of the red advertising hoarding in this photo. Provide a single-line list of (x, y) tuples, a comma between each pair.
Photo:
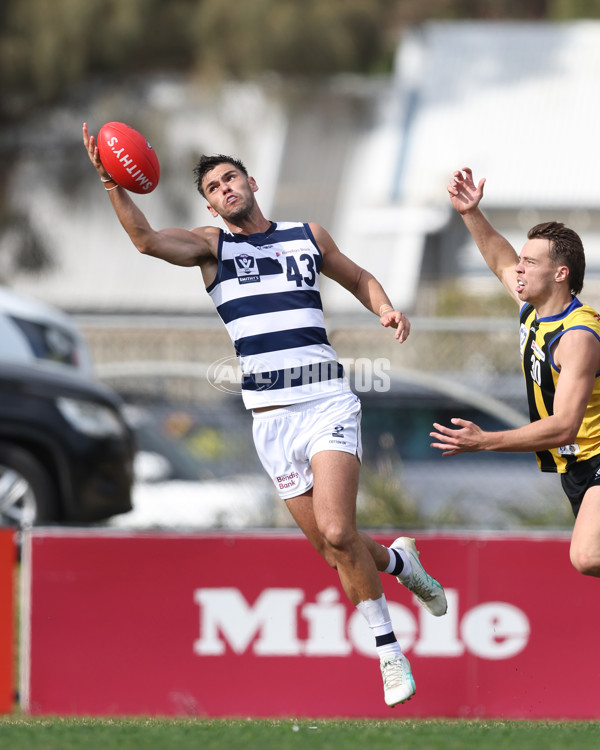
[(244, 625), (7, 574)]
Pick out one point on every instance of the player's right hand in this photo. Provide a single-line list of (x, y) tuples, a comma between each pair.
[(92, 148), (464, 195)]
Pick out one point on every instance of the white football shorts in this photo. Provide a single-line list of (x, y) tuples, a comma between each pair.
[(287, 438)]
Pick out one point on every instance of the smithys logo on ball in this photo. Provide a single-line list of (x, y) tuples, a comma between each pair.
[(129, 164)]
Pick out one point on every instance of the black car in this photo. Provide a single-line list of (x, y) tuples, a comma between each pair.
[(66, 453)]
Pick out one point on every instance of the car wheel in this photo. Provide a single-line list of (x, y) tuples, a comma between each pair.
[(27, 492)]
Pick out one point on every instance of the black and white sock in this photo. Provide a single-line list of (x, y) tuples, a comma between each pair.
[(399, 563), (376, 613)]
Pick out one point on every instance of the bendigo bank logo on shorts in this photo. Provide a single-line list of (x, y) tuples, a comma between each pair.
[(287, 481)]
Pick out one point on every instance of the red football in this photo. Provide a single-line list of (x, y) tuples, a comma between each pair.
[(128, 157)]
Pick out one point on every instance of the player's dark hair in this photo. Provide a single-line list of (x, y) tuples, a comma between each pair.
[(206, 163), (566, 248)]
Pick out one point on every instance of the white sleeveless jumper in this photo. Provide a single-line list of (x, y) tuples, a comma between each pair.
[(266, 291)]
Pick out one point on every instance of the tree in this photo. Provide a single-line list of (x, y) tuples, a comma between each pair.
[(48, 46)]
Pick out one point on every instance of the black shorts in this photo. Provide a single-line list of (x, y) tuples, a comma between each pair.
[(579, 477)]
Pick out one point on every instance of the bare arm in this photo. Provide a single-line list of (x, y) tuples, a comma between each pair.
[(362, 284), (178, 246), (578, 356), (497, 252)]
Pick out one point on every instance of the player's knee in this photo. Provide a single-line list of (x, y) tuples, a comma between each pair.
[(337, 537), (325, 551)]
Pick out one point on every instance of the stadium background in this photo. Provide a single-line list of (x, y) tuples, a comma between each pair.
[(523, 117)]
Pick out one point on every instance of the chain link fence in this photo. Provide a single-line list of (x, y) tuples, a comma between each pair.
[(182, 374)]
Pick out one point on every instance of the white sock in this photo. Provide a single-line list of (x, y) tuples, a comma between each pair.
[(376, 613)]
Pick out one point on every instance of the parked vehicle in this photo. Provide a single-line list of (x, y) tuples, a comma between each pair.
[(66, 452), (35, 333)]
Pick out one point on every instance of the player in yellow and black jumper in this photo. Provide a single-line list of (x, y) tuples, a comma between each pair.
[(560, 354), (539, 337)]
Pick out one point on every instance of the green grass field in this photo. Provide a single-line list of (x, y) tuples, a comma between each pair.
[(52, 733)]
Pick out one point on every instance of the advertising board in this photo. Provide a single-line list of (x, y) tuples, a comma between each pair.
[(229, 624)]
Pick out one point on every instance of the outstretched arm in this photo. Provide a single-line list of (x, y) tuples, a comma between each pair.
[(497, 252), (578, 356), (362, 284), (178, 246)]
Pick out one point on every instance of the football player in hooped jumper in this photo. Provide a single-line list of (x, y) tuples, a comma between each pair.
[(263, 278), (560, 353)]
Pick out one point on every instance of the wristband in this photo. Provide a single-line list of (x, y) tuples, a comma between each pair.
[(381, 311), (114, 187), (105, 179)]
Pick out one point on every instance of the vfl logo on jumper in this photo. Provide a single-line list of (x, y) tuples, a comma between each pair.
[(338, 434), (524, 332), (246, 269), (569, 450)]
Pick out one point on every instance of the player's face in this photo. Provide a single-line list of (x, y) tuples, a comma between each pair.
[(536, 272), (229, 192)]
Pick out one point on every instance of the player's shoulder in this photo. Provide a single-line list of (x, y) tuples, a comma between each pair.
[(321, 236), (207, 239), (207, 233), (584, 315), (315, 227)]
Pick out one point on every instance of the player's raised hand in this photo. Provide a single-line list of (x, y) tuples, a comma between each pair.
[(464, 194), (89, 141), (397, 320)]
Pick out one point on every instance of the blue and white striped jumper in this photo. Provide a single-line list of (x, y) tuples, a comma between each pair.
[(266, 291)]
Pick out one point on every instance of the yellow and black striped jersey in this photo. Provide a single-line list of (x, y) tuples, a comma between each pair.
[(538, 339)]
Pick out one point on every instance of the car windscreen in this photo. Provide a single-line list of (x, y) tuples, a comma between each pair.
[(48, 342)]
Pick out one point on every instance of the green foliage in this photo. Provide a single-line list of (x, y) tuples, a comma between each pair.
[(312, 37), (551, 516), (385, 503), (561, 10), (416, 11), (452, 300), (48, 46)]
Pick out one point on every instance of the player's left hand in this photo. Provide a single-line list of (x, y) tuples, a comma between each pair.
[(397, 320), (466, 437)]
